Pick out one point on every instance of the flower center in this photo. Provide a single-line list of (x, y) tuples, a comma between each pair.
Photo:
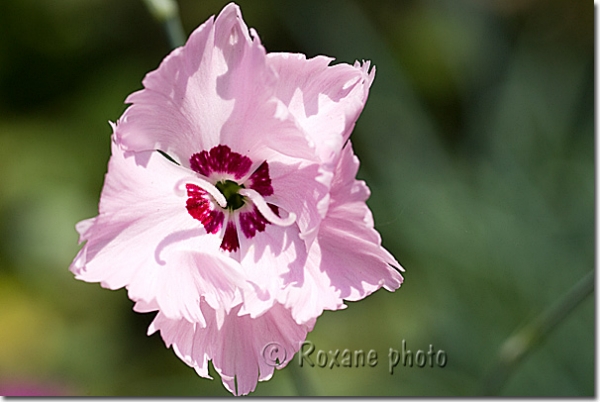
[(207, 201), (230, 190)]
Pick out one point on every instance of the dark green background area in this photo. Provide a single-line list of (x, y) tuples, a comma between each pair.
[(477, 142)]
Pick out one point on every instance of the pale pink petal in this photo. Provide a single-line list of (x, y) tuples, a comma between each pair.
[(308, 297), (352, 255), (170, 112), (83, 227), (180, 334), (239, 347), (217, 89), (142, 306), (193, 275), (271, 261), (301, 188), (142, 226), (258, 126), (325, 100)]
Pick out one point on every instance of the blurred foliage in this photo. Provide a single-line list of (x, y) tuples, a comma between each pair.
[(477, 142)]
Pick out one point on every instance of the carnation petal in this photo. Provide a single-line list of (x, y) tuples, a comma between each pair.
[(239, 347), (325, 100), (352, 255), (301, 188), (308, 297), (215, 90), (134, 242), (271, 261)]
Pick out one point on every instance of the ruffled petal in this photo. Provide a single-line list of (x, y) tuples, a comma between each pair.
[(195, 275), (215, 90), (351, 251), (137, 240), (301, 188), (179, 109), (313, 292), (272, 260), (240, 347), (325, 100)]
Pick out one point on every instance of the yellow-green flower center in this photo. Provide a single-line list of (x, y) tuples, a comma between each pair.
[(230, 190)]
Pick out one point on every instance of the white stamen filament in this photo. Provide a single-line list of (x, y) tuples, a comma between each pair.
[(204, 185), (264, 209)]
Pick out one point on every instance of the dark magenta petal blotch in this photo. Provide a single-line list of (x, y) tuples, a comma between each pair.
[(260, 181), (220, 159), (230, 239), (275, 209), (252, 222), (199, 207)]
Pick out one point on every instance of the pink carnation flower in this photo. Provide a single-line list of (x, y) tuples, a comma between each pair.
[(254, 223)]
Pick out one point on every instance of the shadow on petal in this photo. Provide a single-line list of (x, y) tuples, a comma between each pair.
[(173, 238)]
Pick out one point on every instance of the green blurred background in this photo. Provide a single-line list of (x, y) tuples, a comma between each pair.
[(477, 142)]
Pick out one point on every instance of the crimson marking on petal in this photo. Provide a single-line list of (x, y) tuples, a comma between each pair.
[(200, 207), (252, 222), (260, 181), (220, 159), (230, 239), (275, 209)]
